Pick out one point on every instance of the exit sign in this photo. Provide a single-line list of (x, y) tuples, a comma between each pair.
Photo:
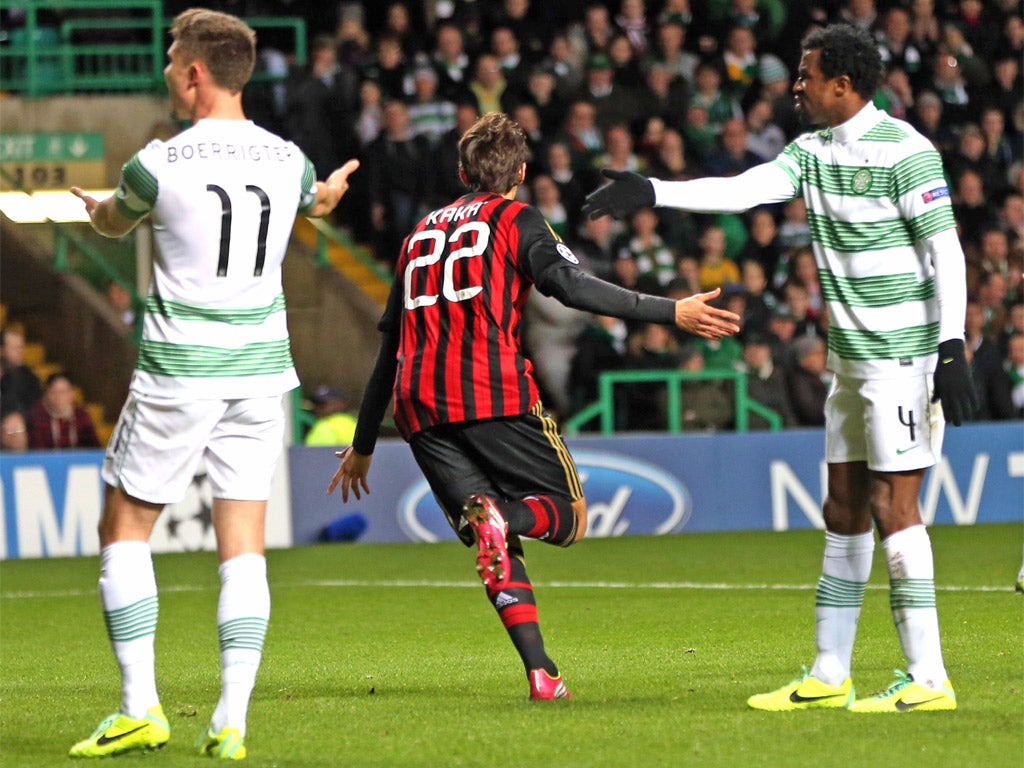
[(51, 160)]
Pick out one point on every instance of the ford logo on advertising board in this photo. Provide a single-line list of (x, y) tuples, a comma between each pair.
[(624, 496)]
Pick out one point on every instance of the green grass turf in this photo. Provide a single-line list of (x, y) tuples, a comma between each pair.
[(389, 655)]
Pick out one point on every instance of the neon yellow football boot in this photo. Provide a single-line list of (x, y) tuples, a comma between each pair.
[(120, 733), (805, 692), (227, 745), (905, 695)]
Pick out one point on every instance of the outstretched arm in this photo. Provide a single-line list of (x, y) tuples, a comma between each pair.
[(104, 215), (330, 192), (629, 192)]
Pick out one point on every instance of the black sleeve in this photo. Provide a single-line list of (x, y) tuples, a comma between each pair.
[(556, 272), (382, 380)]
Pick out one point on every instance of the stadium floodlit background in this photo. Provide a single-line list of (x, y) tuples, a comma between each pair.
[(695, 588)]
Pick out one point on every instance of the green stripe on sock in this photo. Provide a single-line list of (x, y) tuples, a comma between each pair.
[(911, 593), (132, 621), (834, 592), (248, 632)]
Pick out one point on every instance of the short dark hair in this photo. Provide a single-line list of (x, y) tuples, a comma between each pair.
[(848, 50), (491, 153), (225, 43)]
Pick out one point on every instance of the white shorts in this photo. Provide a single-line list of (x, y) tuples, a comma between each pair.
[(892, 424), (158, 444)]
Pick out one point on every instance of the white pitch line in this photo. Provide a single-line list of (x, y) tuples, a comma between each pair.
[(421, 584)]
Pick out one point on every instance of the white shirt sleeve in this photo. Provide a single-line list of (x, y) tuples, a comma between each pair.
[(947, 257), (762, 184)]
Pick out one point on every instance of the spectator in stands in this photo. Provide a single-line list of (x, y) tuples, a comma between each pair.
[(390, 68), (55, 421), (515, 14), (334, 425), (626, 69), (670, 52), (971, 155), (446, 183), (613, 103), (488, 84), (562, 61), (582, 135), (927, 118), (570, 191), (794, 230), (540, 92), (992, 385), (763, 244), (551, 329), (896, 47), (716, 269), (998, 148), (766, 382), (399, 176), (949, 85), (656, 263), (1004, 90), (13, 432), (514, 69), (654, 347), (971, 206), (765, 139), (601, 346), (806, 381), (430, 115), (732, 157), (710, 95), (759, 301), (619, 154), (525, 114), (547, 200), (320, 101), (925, 32), (370, 116), (596, 246), (992, 291), (706, 405), (740, 60), (451, 63), (1014, 367), (398, 24), (19, 386), (663, 96)]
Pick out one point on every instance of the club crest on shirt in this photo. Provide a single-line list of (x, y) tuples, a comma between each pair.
[(935, 194), (565, 253), (861, 181)]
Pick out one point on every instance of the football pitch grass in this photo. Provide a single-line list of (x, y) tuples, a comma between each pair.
[(390, 655)]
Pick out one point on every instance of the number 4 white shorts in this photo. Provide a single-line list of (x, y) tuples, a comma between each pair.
[(892, 424), (158, 444)]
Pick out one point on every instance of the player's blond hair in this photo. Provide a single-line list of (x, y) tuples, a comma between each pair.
[(224, 43)]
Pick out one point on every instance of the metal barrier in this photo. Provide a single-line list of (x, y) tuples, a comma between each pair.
[(39, 60), (604, 407)]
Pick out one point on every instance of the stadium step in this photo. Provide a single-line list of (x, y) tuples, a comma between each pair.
[(346, 262)]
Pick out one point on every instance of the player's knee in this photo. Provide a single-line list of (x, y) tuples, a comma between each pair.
[(579, 511)]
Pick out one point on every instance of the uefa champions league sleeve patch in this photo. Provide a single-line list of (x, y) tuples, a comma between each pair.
[(935, 194), (566, 253)]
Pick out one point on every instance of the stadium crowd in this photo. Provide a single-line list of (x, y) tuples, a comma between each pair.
[(674, 90)]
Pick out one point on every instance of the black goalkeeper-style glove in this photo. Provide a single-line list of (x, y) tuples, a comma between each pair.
[(953, 385), (628, 192)]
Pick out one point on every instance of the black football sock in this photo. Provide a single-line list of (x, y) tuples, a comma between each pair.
[(517, 610)]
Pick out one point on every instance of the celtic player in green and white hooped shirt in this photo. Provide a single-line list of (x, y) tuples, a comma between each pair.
[(213, 366), (223, 196), (892, 273), (881, 218)]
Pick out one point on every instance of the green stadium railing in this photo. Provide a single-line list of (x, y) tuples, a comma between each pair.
[(39, 60), (604, 407)]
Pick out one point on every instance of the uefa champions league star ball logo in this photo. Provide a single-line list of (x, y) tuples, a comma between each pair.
[(188, 525), (861, 181)]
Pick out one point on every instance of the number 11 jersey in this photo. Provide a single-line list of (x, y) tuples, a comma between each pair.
[(223, 196)]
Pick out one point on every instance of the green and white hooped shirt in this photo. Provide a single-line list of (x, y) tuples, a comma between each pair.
[(223, 197), (890, 264)]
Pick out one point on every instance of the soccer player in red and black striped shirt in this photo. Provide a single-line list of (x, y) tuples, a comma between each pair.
[(465, 395)]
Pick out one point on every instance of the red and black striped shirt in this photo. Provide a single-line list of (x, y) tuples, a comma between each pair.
[(451, 327)]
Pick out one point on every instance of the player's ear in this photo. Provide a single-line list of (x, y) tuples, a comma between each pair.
[(522, 174), (462, 176)]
